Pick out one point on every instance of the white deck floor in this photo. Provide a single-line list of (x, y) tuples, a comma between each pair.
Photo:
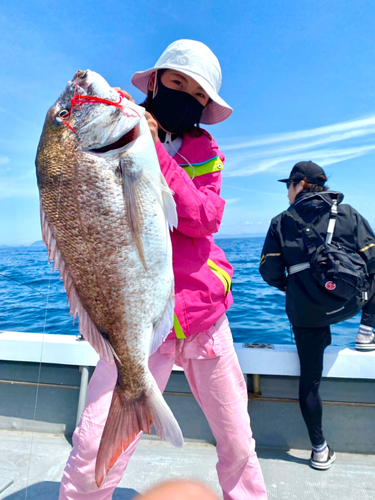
[(35, 463)]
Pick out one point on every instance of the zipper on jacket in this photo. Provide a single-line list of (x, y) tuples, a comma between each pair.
[(222, 275)]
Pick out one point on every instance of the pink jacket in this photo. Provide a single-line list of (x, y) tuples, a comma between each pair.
[(202, 273)]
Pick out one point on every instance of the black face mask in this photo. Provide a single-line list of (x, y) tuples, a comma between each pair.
[(176, 111)]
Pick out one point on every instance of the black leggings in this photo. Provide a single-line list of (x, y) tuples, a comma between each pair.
[(368, 311), (311, 343)]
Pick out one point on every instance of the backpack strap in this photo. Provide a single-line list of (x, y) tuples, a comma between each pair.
[(297, 268), (332, 222), (309, 230), (311, 236)]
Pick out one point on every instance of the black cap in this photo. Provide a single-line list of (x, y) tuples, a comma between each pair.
[(306, 169)]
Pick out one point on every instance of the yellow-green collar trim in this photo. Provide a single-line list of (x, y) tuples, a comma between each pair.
[(178, 329), (206, 167)]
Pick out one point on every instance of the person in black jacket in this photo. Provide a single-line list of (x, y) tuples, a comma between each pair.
[(283, 248)]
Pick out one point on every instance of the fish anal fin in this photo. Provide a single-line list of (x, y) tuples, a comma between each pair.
[(164, 327)]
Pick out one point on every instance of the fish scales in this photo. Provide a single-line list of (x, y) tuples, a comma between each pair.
[(105, 225), (95, 240)]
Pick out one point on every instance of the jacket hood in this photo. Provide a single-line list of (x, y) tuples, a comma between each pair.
[(324, 196), (318, 202)]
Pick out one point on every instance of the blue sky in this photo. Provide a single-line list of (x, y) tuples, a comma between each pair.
[(299, 75)]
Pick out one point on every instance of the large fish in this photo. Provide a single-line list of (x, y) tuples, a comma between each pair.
[(106, 211)]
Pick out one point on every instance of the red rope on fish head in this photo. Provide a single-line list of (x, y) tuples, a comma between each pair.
[(64, 114), (78, 100), (68, 125)]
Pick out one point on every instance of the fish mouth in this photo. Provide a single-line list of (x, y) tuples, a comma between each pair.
[(124, 140)]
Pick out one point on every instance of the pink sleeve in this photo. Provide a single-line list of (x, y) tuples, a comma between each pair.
[(199, 209)]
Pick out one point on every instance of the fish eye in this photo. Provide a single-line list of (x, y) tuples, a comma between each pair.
[(64, 113)]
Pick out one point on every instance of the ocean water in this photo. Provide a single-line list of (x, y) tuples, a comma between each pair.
[(36, 302)]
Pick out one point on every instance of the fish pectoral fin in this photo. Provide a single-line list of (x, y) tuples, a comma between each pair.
[(164, 195), (169, 204), (127, 418), (164, 327), (131, 183)]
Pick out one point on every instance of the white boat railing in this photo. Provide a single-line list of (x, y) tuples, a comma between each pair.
[(263, 359), (255, 359)]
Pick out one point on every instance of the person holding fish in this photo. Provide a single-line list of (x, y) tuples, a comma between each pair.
[(182, 92)]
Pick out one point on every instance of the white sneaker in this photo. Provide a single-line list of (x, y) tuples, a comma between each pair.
[(365, 339), (316, 464)]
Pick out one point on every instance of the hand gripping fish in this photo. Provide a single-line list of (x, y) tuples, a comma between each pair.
[(105, 213)]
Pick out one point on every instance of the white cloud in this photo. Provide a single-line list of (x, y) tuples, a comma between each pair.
[(230, 201), (4, 160), (249, 157), (304, 134)]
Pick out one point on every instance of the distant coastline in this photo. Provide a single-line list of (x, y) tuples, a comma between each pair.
[(238, 236), (38, 243), (219, 236)]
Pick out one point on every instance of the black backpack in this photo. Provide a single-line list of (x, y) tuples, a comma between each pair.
[(340, 275)]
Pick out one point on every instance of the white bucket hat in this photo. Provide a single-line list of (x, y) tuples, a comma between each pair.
[(196, 60)]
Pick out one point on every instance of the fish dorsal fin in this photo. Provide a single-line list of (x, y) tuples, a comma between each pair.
[(164, 327), (86, 326)]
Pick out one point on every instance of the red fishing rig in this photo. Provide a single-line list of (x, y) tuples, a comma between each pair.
[(78, 100)]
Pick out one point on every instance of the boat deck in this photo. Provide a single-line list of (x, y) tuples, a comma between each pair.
[(35, 463)]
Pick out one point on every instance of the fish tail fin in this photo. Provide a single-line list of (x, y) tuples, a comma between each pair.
[(127, 418)]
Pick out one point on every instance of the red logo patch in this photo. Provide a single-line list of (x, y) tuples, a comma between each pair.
[(330, 285)]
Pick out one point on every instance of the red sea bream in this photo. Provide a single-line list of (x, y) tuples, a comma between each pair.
[(106, 212)]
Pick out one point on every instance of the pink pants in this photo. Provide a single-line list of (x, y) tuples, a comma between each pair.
[(212, 369)]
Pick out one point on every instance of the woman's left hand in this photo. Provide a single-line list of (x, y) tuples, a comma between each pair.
[(152, 123), (125, 94)]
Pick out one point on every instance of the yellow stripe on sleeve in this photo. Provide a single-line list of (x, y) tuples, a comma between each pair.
[(221, 274), (264, 257), (366, 248)]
